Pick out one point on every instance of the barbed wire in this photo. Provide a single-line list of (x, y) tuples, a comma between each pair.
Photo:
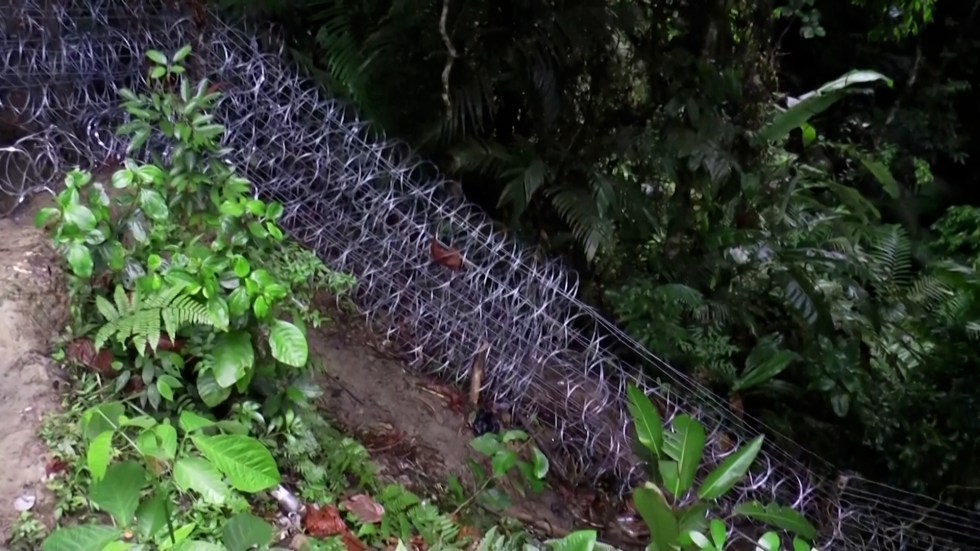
[(369, 207)]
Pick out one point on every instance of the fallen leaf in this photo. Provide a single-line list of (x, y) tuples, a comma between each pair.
[(450, 258), (364, 508), (54, 466), (83, 352), (323, 523)]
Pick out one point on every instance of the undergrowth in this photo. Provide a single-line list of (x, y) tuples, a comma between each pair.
[(191, 424)]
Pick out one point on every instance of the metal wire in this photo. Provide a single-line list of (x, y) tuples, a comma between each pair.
[(370, 208)]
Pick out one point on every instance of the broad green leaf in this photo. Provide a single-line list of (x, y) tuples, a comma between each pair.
[(212, 394), (580, 540), (514, 435), (103, 417), (233, 356), (800, 545), (768, 542), (182, 54), (245, 531), (883, 175), (731, 470), (153, 204), (646, 419), (121, 546), (167, 436), (99, 454), (816, 102), (199, 475), (80, 216), (190, 421), (87, 537), (719, 533), (502, 462), (692, 519), (699, 539), (763, 364), (669, 474), (685, 444), (151, 515), (288, 344), (118, 493), (486, 444), (777, 516), (246, 462), (178, 538), (219, 312), (656, 513), (157, 57), (45, 216), (80, 259)]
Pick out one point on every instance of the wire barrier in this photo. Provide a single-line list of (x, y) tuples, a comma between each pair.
[(369, 207)]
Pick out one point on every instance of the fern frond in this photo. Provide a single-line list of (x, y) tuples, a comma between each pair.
[(892, 255), (139, 319), (578, 210)]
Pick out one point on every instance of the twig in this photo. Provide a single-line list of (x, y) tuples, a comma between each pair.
[(476, 374), (451, 50)]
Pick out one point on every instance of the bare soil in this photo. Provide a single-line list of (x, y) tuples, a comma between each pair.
[(33, 310)]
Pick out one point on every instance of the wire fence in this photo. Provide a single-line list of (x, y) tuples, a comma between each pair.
[(368, 207)]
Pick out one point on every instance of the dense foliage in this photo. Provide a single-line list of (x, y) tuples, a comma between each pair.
[(813, 265)]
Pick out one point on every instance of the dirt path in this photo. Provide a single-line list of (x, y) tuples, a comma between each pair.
[(32, 313)]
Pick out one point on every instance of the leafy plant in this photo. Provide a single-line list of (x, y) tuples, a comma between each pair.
[(505, 451), (675, 508), (157, 463)]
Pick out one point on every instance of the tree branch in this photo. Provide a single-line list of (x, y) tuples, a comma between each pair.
[(452, 55)]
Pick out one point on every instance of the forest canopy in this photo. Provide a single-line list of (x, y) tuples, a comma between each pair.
[(778, 197)]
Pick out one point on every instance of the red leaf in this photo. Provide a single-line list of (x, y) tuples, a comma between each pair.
[(82, 352), (323, 523), (450, 258)]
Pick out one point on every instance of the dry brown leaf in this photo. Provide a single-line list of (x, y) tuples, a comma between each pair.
[(450, 258), (364, 508), (323, 523), (83, 352)]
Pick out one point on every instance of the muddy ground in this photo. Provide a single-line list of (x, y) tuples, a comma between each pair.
[(407, 425), (33, 311)]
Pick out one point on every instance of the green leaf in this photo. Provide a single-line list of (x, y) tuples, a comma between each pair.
[(719, 533), (151, 516), (580, 540), (80, 259), (763, 364), (646, 419), (80, 216), (486, 444), (882, 175), (245, 531), (233, 356), (816, 102), (288, 344), (685, 444), (652, 506), (540, 462), (87, 537), (242, 267), (769, 542), (167, 435), (211, 393), (45, 216), (247, 463), (157, 57), (99, 454), (119, 492), (153, 204), (502, 462), (101, 418), (669, 474), (219, 312), (190, 421), (199, 475), (182, 54), (165, 390), (809, 134), (692, 519), (777, 516), (731, 470)]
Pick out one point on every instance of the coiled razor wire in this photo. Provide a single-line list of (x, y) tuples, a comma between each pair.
[(370, 208)]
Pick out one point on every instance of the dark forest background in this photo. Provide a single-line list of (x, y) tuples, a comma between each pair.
[(810, 258)]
